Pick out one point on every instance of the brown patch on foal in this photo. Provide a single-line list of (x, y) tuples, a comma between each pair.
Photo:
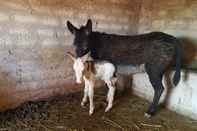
[(89, 70)]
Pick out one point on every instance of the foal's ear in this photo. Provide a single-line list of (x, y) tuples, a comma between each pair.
[(71, 56), (86, 57), (89, 27), (71, 27)]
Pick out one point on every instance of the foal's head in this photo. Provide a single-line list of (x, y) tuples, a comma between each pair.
[(79, 65)]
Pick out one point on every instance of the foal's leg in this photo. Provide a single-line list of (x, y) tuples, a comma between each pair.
[(84, 100), (91, 95), (110, 95)]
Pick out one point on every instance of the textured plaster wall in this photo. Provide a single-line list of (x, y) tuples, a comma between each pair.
[(34, 39)]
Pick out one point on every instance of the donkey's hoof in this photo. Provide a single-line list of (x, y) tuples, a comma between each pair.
[(147, 115)]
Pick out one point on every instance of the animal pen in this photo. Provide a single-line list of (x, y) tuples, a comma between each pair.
[(37, 82)]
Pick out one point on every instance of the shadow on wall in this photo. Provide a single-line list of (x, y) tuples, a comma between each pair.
[(189, 49), (7, 82)]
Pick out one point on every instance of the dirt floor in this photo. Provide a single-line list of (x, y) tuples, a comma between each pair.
[(65, 114)]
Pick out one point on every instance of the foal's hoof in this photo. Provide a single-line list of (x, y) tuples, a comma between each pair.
[(91, 112), (83, 104), (107, 108), (147, 115)]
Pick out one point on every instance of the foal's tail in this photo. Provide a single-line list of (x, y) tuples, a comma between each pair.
[(178, 57)]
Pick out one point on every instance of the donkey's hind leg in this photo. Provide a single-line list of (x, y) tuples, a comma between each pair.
[(155, 77)]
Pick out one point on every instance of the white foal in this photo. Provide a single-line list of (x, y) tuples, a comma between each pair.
[(90, 70)]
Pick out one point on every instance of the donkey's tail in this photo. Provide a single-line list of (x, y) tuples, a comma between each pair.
[(178, 57)]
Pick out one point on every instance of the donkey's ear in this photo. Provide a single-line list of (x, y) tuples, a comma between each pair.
[(86, 57), (71, 56), (71, 27), (89, 27)]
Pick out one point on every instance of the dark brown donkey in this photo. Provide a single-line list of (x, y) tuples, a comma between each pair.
[(156, 50)]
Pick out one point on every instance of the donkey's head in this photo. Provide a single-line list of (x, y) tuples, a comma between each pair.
[(79, 65), (81, 37)]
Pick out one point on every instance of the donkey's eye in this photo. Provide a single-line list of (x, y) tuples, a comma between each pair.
[(84, 48)]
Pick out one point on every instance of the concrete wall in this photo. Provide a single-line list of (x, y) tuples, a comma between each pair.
[(175, 17), (179, 18), (34, 39)]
